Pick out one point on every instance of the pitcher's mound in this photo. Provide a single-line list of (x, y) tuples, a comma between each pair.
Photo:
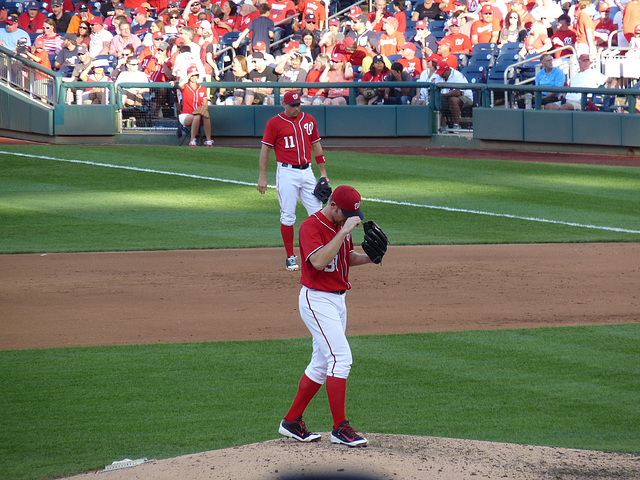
[(387, 457)]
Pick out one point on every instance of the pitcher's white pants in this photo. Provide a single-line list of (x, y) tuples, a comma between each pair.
[(325, 315)]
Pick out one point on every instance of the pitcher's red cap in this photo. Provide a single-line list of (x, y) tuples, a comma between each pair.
[(348, 199)]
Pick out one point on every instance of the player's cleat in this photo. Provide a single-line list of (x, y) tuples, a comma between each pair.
[(292, 263), (208, 143), (345, 434), (298, 430), (193, 143)]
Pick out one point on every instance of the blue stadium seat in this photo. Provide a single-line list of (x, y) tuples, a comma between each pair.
[(474, 73), (507, 47), (485, 47)]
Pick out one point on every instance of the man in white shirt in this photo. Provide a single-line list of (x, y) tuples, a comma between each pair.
[(100, 38), (452, 100), (587, 77), (132, 97)]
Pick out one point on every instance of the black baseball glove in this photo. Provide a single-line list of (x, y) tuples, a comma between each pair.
[(375, 241), (322, 190)]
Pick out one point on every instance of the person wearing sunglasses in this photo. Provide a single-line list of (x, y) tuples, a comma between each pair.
[(60, 16)]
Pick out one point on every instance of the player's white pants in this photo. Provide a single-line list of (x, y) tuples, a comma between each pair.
[(325, 315), (293, 183)]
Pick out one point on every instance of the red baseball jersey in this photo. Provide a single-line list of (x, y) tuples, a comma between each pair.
[(291, 138), (192, 99), (315, 232)]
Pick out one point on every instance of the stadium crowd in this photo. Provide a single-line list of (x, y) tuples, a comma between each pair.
[(268, 41)]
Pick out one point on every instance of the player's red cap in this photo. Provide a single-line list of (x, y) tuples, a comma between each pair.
[(292, 98), (348, 199)]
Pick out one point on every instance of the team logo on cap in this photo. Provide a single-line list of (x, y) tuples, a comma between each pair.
[(357, 205)]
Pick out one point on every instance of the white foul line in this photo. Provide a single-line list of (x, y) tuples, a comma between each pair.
[(377, 200)]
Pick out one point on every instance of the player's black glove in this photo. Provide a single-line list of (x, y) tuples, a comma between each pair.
[(322, 190), (375, 241)]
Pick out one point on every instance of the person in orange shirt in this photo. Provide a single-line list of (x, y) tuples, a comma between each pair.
[(584, 27), (630, 19), (391, 40), (83, 15), (485, 30)]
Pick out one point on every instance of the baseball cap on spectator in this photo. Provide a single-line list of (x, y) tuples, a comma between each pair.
[(141, 11), (355, 11), (434, 57), (95, 21), (337, 57), (11, 20), (157, 35), (102, 63), (442, 67), (57, 3), (119, 6), (33, 6), (310, 18), (172, 4), (39, 42), (584, 57), (454, 22), (292, 98), (257, 55), (377, 58), (391, 20), (82, 49), (444, 41), (292, 45), (348, 199), (409, 45), (70, 36), (334, 22), (260, 46), (182, 22), (82, 7), (192, 70), (603, 7), (422, 24), (348, 42), (486, 9), (360, 18), (180, 41)]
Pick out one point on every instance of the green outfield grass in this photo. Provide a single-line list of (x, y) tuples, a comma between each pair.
[(78, 409), (52, 206)]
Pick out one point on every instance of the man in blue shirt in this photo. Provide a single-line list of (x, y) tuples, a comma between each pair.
[(549, 76), (10, 35)]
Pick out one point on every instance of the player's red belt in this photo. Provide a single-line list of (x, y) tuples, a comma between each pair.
[(297, 167)]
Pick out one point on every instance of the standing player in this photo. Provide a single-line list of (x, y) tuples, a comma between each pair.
[(326, 252), (294, 136)]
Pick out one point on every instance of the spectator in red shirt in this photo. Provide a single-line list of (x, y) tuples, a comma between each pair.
[(32, 20), (604, 27), (585, 40), (377, 17), (460, 43), (563, 36), (225, 22), (399, 7), (410, 63)]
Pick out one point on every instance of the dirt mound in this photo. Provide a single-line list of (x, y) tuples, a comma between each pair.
[(387, 457)]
